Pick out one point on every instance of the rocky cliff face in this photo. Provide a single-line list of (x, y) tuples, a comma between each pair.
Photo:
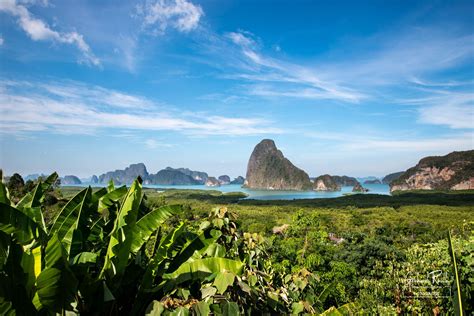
[(125, 176), (172, 177), (325, 183), (94, 179), (345, 181), (199, 176), (454, 171), (359, 188), (268, 169), (212, 182), (374, 181), (224, 179), (392, 177), (70, 180), (238, 180)]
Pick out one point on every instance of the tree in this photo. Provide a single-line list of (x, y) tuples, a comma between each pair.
[(15, 185)]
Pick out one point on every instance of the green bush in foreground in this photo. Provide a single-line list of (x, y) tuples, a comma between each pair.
[(108, 252)]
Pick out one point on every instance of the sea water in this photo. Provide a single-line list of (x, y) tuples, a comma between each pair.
[(269, 194)]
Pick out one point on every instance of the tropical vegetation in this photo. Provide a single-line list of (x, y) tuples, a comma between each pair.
[(116, 250)]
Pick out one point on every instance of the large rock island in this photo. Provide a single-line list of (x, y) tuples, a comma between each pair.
[(454, 171), (125, 176), (326, 183), (268, 169)]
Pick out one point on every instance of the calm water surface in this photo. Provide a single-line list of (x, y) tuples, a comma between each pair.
[(273, 195)]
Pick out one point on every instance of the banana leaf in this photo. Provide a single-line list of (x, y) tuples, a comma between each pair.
[(121, 238), (149, 223)]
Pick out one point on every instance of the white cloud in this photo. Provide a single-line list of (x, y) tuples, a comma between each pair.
[(452, 115), (153, 144), (448, 107), (76, 108), (38, 30), (162, 14), (1, 40), (272, 77)]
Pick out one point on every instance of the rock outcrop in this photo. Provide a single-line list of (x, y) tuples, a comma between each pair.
[(238, 180), (392, 177), (212, 182), (126, 176), (224, 179), (359, 188), (70, 180), (172, 177), (374, 181), (199, 176), (94, 179), (268, 169), (325, 183), (454, 171), (345, 181)]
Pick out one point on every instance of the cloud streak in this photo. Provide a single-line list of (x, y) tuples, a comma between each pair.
[(76, 108), (38, 30)]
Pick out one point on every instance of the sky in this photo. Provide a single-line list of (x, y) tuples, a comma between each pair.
[(343, 87)]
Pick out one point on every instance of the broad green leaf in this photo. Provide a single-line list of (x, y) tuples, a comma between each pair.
[(162, 252), (180, 311), (31, 265), (201, 268), (223, 280), (155, 309), (72, 239), (208, 292), (13, 282), (4, 193), (121, 238), (215, 250), (56, 285), (201, 308), (111, 198), (230, 309), (56, 289), (150, 223), (110, 186), (34, 199), (332, 311), (85, 258), (199, 244), (65, 219), (297, 308), (13, 221)]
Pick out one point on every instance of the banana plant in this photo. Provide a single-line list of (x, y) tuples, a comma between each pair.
[(96, 247)]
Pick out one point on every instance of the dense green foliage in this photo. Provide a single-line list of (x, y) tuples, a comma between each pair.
[(143, 253)]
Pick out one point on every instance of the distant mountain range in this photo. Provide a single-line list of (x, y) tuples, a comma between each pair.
[(167, 176), (268, 169)]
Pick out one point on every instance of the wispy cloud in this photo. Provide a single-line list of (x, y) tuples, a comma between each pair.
[(383, 144), (153, 144), (272, 77), (38, 30), (81, 109), (453, 108), (159, 15)]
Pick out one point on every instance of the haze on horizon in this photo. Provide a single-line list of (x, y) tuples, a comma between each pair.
[(343, 88)]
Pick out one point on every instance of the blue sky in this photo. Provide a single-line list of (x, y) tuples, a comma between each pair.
[(343, 87)]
